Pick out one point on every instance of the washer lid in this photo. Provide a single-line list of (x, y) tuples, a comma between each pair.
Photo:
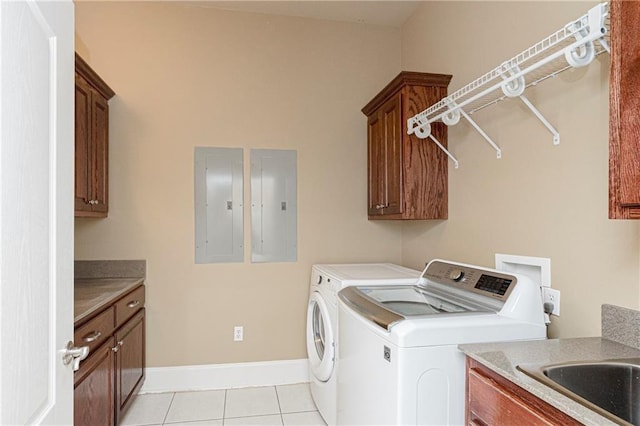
[(387, 305), (365, 273), (412, 301)]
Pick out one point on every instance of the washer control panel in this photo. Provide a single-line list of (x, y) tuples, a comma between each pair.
[(487, 282)]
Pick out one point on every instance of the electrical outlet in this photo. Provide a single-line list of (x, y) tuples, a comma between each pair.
[(238, 333), (550, 295)]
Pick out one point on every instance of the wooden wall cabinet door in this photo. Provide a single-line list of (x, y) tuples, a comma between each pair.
[(385, 159), (407, 176), (91, 142), (94, 388), (493, 400), (130, 362), (624, 111)]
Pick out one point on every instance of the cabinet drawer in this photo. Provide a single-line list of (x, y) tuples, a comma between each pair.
[(129, 305), (96, 331)]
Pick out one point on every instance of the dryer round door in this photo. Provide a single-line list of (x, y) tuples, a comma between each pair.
[(320, 343)]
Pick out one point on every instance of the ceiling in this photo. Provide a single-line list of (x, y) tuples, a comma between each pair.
[(387, 13)]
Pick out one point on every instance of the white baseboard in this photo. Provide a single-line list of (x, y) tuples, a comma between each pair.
[(225, 376)]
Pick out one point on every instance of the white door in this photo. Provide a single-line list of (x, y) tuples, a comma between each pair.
[(36, 211)]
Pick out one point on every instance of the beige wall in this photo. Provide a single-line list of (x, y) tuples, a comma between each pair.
[(190, 76), (539, 199)]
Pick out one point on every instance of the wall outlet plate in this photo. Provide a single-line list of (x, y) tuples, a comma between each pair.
[(550, 295), (238, 333)]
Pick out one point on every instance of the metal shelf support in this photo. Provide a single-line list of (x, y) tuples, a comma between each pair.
[(534, 110), (483, 134)]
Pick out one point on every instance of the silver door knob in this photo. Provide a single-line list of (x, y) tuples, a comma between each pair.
[(74, 354)]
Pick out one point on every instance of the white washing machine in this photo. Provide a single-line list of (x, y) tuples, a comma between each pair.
[(322, 321), (399, 363)]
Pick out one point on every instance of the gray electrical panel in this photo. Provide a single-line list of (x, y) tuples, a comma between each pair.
[(219, 232), (274, 205)]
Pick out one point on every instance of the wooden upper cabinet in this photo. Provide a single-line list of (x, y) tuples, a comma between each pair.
[(407, 176), (624, 111), (91, 142)]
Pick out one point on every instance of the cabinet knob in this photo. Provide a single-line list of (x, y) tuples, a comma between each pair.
[(115, 348), (381, 206)]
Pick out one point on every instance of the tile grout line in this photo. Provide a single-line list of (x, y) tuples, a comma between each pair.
[(224, 407), (279, 407), (164, 419)]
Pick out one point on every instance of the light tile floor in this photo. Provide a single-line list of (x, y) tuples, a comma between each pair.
[(269, 405)]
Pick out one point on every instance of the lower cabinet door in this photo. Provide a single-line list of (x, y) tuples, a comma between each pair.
[(494, 400), (130, 362), (94, 388)]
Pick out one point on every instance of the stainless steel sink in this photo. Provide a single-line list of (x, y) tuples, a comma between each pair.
[(611, 388)]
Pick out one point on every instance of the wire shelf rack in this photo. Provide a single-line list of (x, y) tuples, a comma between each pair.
[(574, 45)]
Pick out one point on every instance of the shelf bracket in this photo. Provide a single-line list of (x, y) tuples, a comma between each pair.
[(455, 161), (484, 135), (554, 132), (423, 131), (514, 86)]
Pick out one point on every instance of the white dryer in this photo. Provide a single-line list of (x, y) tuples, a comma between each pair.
[(322, 321), (399, 360)]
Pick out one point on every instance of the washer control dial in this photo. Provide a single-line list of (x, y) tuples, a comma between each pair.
[(456, 275), (319, 279)]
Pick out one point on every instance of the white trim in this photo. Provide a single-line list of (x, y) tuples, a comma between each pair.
[(225, 376), (536, 268)]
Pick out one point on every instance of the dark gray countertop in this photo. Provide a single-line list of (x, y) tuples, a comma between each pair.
[(504, 357), (100, 282), (93, 294)]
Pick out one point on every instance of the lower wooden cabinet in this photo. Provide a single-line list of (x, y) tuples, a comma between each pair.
[(130, 361), (493, 400), (94, 388), (111, 376)]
